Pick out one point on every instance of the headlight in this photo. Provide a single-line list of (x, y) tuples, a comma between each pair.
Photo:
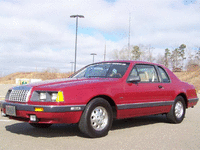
[(8, 94), (43, 96), (54, 97), (47, 96)]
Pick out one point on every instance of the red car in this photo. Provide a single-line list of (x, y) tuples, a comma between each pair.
[(99, 93)]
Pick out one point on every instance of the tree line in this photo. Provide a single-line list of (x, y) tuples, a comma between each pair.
[(173, 58)]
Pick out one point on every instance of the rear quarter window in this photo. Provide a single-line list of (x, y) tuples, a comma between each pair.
[(164, 75)]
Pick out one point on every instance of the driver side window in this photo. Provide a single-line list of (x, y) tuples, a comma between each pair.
[(147, 73)]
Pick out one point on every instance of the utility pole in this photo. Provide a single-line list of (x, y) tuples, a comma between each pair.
[(105, 53)]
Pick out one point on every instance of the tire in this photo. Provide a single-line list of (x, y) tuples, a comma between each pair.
[(40, 125), (177, 112), (96, 119)]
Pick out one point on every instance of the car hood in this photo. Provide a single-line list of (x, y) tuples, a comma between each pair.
[(62, 83)]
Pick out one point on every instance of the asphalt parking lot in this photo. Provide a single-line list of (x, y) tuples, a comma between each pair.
[(151, 132)]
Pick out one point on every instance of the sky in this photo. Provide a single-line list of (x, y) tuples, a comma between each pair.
[(36, 35)]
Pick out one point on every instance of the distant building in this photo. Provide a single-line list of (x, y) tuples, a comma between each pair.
[(21, 81)]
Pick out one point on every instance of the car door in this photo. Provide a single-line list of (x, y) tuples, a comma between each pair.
[(166, 85), (145, 97)]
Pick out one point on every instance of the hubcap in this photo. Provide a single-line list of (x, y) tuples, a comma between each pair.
[(179, 110), (99, 118)]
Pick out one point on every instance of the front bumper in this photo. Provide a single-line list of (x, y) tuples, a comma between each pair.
[(50, 114)]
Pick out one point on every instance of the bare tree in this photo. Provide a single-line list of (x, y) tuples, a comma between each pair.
[(197, 56), (193, 61), (115, 54), (160, 59), (191, 58), (52, 70), (138, 52), (149, 53), (122, 54)]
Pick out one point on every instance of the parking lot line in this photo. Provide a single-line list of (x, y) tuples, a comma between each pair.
[(6, 120)]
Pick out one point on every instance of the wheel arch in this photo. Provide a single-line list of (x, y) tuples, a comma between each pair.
[(185, 98), (110, 101)]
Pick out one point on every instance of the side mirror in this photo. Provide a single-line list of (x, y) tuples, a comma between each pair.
[(132, 79)]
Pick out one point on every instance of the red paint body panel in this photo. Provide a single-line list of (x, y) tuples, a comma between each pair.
[(129, 113)]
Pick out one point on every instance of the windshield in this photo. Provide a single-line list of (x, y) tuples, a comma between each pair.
[(103, 70)]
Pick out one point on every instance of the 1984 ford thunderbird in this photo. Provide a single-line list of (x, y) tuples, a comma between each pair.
[(100, 92)]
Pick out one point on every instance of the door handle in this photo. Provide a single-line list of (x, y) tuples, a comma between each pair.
[(160, 86)]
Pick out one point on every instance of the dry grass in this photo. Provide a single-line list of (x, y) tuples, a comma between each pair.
[(10, 79), (192, 77)]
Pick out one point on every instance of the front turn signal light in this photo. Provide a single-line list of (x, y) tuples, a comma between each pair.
[(60, 97), (39, 109)]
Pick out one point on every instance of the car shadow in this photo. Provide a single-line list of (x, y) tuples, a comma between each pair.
[(56, 130), (65, 130), (138, 121)]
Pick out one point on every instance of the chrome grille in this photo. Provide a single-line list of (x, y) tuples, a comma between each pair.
[(18, 95)]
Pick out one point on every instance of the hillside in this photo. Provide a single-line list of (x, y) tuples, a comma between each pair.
[(10, 79), (192, 77)]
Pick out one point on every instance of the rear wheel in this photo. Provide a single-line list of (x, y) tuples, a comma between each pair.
[(177, 112), (40, 125), (97, 118)]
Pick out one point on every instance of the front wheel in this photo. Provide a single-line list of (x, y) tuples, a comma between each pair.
[(40, 125), (97, 118), (177, 112)]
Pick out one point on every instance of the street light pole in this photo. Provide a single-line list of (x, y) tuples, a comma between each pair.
[(93, 56), (72, 66), (76, 16)]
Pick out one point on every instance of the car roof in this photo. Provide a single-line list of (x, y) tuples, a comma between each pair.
[(131, 61), (170, 73)]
